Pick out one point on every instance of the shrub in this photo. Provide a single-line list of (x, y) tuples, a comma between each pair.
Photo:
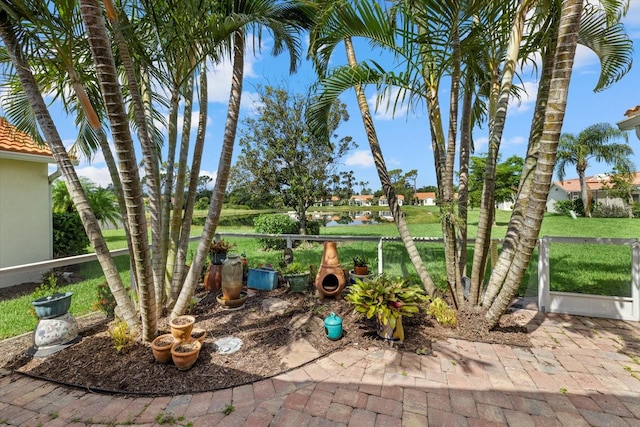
[(274, 224), (313, 228), (612, 211), (106, 302), (69, 237), (202, 204), (636, 209), (564, 206), (122, 336), (443, 314)]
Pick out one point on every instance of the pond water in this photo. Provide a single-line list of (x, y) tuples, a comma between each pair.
[(326, 219)]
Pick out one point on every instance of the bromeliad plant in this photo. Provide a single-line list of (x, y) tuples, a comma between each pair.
[(388, 299)]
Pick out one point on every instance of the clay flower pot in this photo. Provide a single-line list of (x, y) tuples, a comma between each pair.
[(185, 354), (199, 334), (161, 347), (181, 327)]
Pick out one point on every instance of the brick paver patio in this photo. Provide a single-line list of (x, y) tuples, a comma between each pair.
[(580, 372)]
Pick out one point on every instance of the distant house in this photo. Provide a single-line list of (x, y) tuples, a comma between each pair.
[(25, 203), (569, 189), (426, 198), (382, 201), (329, 201), (361, 200), (632, 121)]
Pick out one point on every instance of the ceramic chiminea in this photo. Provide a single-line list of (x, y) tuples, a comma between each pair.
[(330, 279)]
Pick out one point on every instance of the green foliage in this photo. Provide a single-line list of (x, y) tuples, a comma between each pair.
[(313, 228), (69, 237), (122, 336), (280, 155), (565, 206), (202, 204), (386, 298), (103, 202), (443, 314), (506, 181), (360, 261), (294, 268), (106, 301), (48, 287), (228, 409), (610, 211), (274, 224)]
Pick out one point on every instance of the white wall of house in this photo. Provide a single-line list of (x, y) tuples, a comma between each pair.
[(25, 216), (555, 194)]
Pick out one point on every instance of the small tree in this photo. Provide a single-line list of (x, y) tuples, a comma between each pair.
[(620, 184), (279, 154)]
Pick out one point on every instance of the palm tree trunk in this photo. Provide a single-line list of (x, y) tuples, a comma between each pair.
[(174, 280), (487, 204), (92, 228), (388, 189), (554, 116), (463, 183), (512, 238), (100, 45), (193, 183), (222, 177), (149, 153)]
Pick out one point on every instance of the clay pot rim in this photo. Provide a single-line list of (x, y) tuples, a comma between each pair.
[(153, 343), (183, 316), (197, 343)]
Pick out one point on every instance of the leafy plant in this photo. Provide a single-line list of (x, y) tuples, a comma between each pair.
[(69, 237), (387, 298), (106, 301), (294, 268), (122, 336), (360, 261), (220, 247), (228, 409), (274, 224), (443, 314), (48, 287)]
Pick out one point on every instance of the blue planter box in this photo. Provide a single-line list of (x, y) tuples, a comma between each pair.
[(262, 279)]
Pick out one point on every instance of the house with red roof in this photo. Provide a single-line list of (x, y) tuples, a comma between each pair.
[(25, 203), (598, 185)]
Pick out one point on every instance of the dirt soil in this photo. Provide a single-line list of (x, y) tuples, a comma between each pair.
[(93, 363)]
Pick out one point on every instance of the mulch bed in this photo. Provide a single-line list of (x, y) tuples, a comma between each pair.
[(93, 363)]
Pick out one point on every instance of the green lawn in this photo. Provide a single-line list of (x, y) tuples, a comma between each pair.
[(595, 269)]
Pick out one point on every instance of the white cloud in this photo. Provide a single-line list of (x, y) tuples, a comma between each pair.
[(382, 104), (516, 140), (527, 98), (98, 175), (360, 158), (219, 77), (211, 175), (480, 144)]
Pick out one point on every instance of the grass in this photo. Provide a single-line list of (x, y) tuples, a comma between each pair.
[(592, 269)]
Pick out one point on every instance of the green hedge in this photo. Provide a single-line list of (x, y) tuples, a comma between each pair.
[(69, 237)]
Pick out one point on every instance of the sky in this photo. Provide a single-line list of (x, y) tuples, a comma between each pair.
[(405, 139)]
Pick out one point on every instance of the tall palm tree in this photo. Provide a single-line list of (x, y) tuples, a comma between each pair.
[(339, 22), (30, 86), (596, 142)]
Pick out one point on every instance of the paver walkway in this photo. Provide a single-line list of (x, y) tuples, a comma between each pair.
[(580, 372)]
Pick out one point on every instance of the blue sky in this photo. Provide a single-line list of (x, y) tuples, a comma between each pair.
[(405, 140)]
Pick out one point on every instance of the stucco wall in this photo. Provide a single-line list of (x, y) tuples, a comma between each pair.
[(25, 217)]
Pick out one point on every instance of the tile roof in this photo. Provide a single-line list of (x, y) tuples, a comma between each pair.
[(16, 141), (633, 111), (593, 182)]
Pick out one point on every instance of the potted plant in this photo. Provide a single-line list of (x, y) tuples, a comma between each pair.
[(360, 265), (296, 275), (218, 250), (387, 299), (185, 353)]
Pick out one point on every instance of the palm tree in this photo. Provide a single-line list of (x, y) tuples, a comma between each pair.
[(596, 142)]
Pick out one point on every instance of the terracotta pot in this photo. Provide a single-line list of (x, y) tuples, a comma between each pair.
[(185, 354), (181, 327), (213, 278), (161, 347), (361, 271), (199, 334)]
